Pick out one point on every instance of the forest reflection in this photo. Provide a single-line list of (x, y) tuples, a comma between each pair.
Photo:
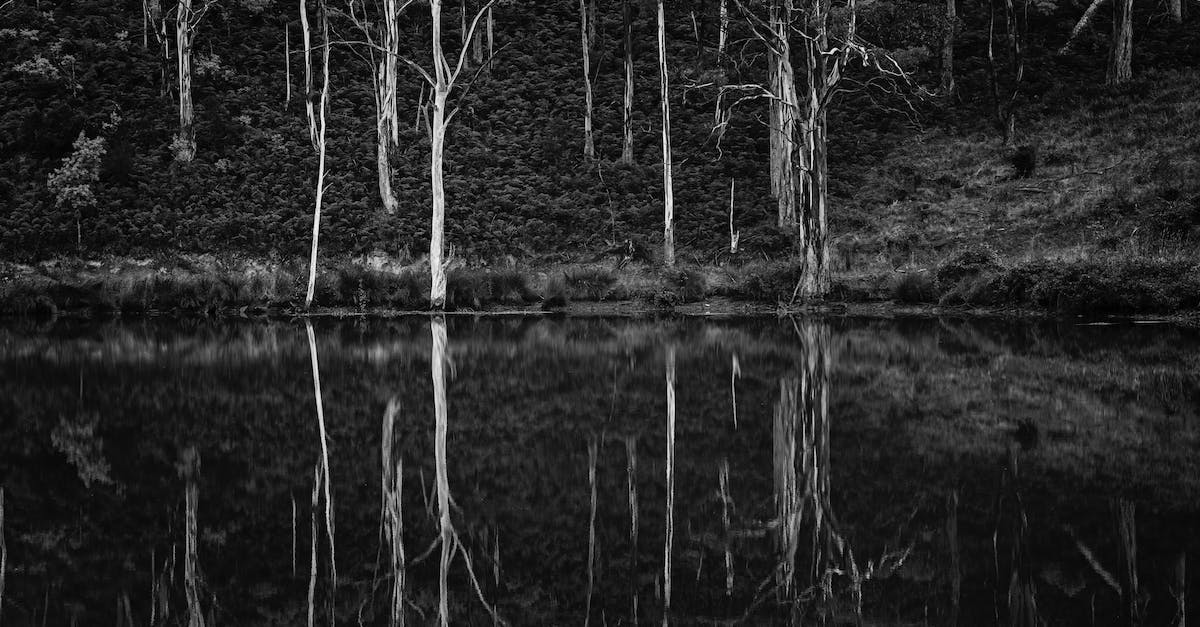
[(770, 472)]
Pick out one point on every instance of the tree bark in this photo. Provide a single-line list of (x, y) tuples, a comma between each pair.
[(317, 132), (723, 33), (1120, 54), (491, 33), (668, 191), (627, 23), (585, 29), (441, 89), (784, 109), (387, 127), (185, 145), (948, 48), (1176, 9), (287, 65)]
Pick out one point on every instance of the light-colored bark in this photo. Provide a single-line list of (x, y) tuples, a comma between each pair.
[(783, 110), (589, 141), (441, 81), (387, 129), (185, 143), (1084, 21), (491, 34), (668, 189), (1120, 53), (317, 126), (627, 108), (723, 32), (392, 506), (632, 494), (1175, 7), (669, 531), (287, 65), (948, 47), (437, 369)]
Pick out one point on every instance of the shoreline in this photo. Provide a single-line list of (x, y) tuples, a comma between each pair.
[(213, 287)]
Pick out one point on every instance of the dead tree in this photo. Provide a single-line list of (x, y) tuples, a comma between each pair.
[(316, 106), (186, 21), (668, 187), (586, 32), (627, 109)]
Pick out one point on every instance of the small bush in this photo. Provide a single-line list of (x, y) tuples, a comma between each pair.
[(510, 286), (690, 285), (465, 289), (965, 264), (590, 283), (914, 288), (557, 293)]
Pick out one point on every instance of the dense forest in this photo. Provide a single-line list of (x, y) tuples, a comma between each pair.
[(1005, 135)]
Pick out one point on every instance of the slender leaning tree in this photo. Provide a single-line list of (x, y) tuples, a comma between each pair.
[(316, 107)]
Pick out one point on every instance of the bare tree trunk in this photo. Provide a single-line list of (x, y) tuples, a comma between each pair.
[(441, 89), (591, 22), (668, 190), (1120, 54), (627, 23), (185, 145), (1083, 22), (437, 293), (723, 33), (317, 126), (387, 128), (437, 367), (1176, 9), (784, 109), (669, 534), (589, 142), (948, 48), (491, 34), (287, 65)]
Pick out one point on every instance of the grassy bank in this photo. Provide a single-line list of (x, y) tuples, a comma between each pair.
[(978, 278)]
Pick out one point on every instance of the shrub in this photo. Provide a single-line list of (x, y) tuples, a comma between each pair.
[(557, 293), (591, 283), (914, 288), (690, 284), (510, 286), (964, 264)]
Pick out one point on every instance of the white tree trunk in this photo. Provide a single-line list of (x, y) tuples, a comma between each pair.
[(287, 65), (185, 145), (723, 33), (437, 128), (387, 128), (669, 535), (627, 109), (668, 190), (437, 270), (589, 142), (784, 110), (317, 131)]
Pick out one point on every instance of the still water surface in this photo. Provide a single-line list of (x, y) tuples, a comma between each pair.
[(533, 471)]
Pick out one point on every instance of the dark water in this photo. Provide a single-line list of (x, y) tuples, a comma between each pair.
[(603, 472)]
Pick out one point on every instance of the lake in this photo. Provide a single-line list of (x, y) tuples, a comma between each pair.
[(598, 471)]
